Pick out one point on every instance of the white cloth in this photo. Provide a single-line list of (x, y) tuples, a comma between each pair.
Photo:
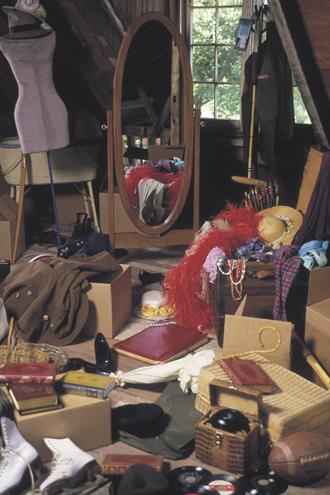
[(186, 370)]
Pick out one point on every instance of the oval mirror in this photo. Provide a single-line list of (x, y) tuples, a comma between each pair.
[(153, 123)]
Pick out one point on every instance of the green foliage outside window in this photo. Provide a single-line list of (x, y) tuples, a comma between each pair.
[(216, 64)]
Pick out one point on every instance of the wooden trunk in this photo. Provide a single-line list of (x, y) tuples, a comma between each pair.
[(261, 297)]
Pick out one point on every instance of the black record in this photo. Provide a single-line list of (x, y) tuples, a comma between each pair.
[(204, 490), (225, 484), (187, 479), (263, 481)]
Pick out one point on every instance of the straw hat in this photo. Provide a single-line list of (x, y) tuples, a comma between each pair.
[(153, 306), (26, 19), (279, 225)]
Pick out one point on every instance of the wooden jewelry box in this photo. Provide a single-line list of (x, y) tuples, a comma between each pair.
[(233, 452)]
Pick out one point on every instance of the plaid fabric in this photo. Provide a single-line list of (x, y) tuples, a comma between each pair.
[(287, 267)]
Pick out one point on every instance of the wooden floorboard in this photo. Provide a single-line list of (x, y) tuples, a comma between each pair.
[(160, 260)]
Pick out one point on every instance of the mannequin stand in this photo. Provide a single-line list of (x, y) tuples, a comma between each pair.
[(23, 164)]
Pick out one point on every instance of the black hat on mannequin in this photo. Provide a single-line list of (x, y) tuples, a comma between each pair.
[(26, 19)]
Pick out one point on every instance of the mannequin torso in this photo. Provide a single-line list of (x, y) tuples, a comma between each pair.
[(40, 114)]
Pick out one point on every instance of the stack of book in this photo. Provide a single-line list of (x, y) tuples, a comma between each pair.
[(31, 386)]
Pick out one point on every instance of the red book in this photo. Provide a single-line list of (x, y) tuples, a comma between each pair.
[(161, 342), (27, 373), (247, 373), (32, 395)]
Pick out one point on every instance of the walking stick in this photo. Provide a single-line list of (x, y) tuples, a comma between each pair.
[(256, 42), (20, 206)]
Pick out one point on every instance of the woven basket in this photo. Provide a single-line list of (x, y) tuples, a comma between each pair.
[(22, 353), (298, 405)]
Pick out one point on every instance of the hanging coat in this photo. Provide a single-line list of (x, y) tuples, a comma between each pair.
[(274, 112)]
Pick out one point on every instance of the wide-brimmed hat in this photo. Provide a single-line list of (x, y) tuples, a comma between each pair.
[(279, 224), (153, 306), (26, 19)]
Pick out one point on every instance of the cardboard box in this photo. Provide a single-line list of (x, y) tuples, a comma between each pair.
[(110, 304), (8, 218), (68, 203), (317, 327), (77, 420), (122, 220), (243, 333)]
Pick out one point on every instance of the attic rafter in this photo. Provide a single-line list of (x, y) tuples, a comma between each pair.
[(95, 46)]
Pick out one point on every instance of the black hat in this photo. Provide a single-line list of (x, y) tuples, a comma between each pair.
[(142, 479), (144, 419), (26, 19)]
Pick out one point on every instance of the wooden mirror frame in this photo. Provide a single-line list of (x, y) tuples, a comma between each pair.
[(187, 119)]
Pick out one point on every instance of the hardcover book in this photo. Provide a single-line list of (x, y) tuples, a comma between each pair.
[(32, 395), (117, 464), (161, 342), (27, 372), (87, 384), (247, 373)]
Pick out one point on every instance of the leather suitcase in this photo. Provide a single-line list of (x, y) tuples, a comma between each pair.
[(233, 452), (261, 296)]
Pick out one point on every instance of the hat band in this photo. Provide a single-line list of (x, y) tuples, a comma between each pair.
[(25, 27)]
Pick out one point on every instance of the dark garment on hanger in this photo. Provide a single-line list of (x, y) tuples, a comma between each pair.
[(316, 223), (274, 117)]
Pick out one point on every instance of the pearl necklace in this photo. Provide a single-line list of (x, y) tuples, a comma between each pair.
[(236, 272)]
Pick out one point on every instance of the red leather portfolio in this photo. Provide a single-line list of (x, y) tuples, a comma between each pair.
[(161, 342)]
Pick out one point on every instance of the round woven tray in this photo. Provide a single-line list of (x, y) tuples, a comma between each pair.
[(33, 353)]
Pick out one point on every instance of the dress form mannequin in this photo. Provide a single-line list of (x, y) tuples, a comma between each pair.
[(40, 115)]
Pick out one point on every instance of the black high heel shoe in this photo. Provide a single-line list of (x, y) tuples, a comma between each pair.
[(105, 360)]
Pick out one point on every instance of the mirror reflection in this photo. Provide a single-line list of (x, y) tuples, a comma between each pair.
[(153, 158)]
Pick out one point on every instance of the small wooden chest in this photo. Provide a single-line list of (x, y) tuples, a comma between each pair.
[(233, 452), (261, 296)]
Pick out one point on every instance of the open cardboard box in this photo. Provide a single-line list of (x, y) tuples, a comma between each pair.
[(241, 334), (86, 421), (317, 326), (110, 303)]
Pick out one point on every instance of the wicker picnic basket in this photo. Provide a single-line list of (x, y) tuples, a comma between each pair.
[(297, 405)]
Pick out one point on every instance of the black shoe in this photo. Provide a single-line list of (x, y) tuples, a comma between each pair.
[(103, 355), (147, 278), (82, 227)]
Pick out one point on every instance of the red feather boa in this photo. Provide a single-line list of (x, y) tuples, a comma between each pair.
[(182, 284), (134, 176)]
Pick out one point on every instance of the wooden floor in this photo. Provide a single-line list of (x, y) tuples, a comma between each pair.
[(153, 259)]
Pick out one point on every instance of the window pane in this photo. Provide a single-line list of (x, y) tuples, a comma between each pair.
[(228, 102), (300, 112), (204, 99), (203, 63), (229, 65), (205, 3), (228, 22), (230, 2), (203, 26)]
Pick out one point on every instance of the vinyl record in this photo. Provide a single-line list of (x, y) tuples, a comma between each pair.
[(225, 484), (263, 481), (205, 490), (187, 479)]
